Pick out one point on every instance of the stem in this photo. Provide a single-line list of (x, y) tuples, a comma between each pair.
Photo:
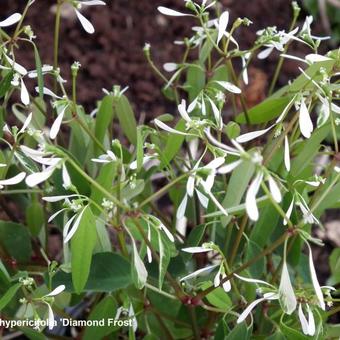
[(95, 184), (56, 35), (265, 252), (172, 281), (281, 59), (243, 102), (238, 239), (163, 190), (194, 325)]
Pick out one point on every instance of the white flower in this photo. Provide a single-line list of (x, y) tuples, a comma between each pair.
[(38, 177), (220, 276), (171, 12), (251, 206), (69, 228), (315, 281), (229, 86), (308, 327), (199, 272), (252, 135), (267, 296), (170, 67), (247, 311), (287, 154), (194, 182), (88, 27), (105, 158), (286, 291), (305, 122), (55, 292), (11, 20), (222, 25), (57, 123), (278, 41), (13, 180)]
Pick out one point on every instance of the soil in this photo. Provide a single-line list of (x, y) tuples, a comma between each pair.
[(113, 55)]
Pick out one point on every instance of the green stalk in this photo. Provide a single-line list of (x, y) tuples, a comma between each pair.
[(95, 184)]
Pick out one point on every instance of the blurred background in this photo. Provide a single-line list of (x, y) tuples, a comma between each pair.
[(113, 54)]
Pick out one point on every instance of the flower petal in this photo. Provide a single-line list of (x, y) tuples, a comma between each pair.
[(286, 291), (229, 167), (315, 281), (222, 25), (311, 322), (39, 177), (183, 112), (289, 212), (168, 128), (265, 53), (305, 122), (66, 177), (24, 95), (196, 250), (14, 180), (229, 86), (11, 20), (199, 272), (56, 291), (252, 135), (287, 154), (170, 67), (182, 207), (251, 206), (57, 124), (88, 27), (274, 189), (171, 12), (50, 317), (74, 226), (247, 311), (303, 320)]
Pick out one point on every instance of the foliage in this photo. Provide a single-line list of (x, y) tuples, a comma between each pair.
[(196, 225)]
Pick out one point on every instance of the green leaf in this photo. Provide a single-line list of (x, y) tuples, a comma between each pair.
[(274, 105), (32, 334), (109, 272), (173, 144), (292, 334), (140, 147), (105, 179), (138, 271), (5, 83), (195, 81), (104, 118), (126, 118), (334, 263), (38, 67), (232, 130), (105, 310), (16, 241), (82, 245), (4, 276), (265, 111), (35, 217), (9, 295), (239, 332), (218, 297), (164, 260)]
